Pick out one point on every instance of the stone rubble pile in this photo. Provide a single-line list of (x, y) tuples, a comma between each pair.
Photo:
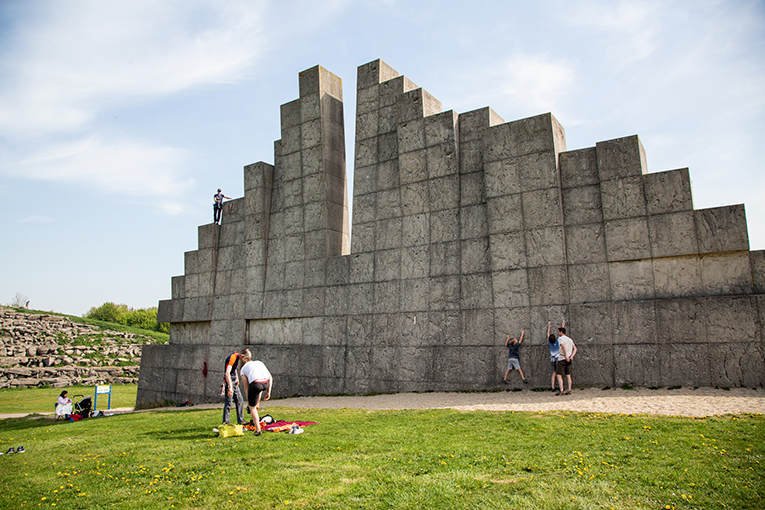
[(39, 349)]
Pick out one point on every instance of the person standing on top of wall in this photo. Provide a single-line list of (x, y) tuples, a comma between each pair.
[(256, 379), (231, 387), (218, 205)]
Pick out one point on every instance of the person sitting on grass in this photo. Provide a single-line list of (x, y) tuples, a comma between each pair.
[(512, 360), (63, 405), (255, 380)]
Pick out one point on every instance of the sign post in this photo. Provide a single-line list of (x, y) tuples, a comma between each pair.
[(103, 390)]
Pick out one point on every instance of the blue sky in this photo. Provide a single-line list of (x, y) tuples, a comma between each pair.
[(119, 120)]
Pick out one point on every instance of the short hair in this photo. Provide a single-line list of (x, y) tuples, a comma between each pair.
[(551, 339), (513, 340), (246, 353), (562, 330)]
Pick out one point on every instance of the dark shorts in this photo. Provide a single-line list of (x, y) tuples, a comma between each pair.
[(253, 392), (553, 365), (563, 367)]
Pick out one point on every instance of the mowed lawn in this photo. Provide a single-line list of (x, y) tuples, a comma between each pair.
[(387, 459), (43, 400)]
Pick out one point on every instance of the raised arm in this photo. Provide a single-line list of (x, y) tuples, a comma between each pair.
[(549, 326), (507, 341), (520, 340)]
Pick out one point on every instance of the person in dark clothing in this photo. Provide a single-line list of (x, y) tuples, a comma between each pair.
[(512, 360)]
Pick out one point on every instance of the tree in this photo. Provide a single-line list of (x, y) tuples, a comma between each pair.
[(108, 312), (19, 300)]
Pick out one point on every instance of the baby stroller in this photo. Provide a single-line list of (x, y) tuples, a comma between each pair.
[(83, 405)]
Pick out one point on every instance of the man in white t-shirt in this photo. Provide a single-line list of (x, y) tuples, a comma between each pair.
[(255, 380), (565, 357)]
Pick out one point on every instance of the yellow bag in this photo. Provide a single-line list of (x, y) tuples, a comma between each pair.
[(230, 431)]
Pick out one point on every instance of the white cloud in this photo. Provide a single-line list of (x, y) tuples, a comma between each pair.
[(114, 167), (83, 55), (536, 83)]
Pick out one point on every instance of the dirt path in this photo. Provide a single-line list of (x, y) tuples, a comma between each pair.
[(680, 402)]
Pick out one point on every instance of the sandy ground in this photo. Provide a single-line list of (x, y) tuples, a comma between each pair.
[(680, 402)]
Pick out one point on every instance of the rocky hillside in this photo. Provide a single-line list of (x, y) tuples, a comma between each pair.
[(38, 350)]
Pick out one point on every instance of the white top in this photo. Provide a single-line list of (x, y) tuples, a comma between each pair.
[(256, 371), (566, 347)]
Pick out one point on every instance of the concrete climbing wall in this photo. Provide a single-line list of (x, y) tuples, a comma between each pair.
[(465, 229)]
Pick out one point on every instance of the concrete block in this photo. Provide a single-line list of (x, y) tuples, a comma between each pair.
[(290, 145), (366, 125), (548, 285), (590, 324), (542, 208), (539, 316), (363, 237), (508, 321), (310, 134), (582, 205), (442, 160), (387, 147), (360, 298), (627, 239), (639, 365), (538, 171), (441, 129), (445, 293), (634, 322), (367, 99), (364, 181), (411, 136), (374, 72), (621, 157), (415, 230), (668, 192), (681, 321), (366, 152), (387, 296), (414, 364), (444, 226), (505, 214), (593, 367), (387, 265), (586, 244), (545, 247), (293, 303), (444, 193), (588, 283), (579, 168), (508, 251), (471, 157), (732, 319), (412, 167), (178, 287), (338, 271), (388, 204), (474, 220), (365, 208), (310, 107), (502, 178), (415, 198), (726, 273), (313, 159), (387, 122), (623, 198), (526, 136), (416, 104), (472, 123), (387, 175), (443, 328), (415, 262), (414, 294), (685, 365), (734, 365), (672, 234), (476, 291), (388, 234), (757, 261), (444, 259), (290, 114), (677, 277), (471, 189), (477, 327), (722, 229), (475, 256)]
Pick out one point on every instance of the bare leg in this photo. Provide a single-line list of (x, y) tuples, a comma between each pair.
[(521, 372), (560, 382), (506, 374), (552, 380), (568, 380)]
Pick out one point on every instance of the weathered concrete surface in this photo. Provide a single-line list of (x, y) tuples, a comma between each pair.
[(466, 229)]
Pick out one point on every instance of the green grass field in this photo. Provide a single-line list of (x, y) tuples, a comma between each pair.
[(43, 400), (387, 459)]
